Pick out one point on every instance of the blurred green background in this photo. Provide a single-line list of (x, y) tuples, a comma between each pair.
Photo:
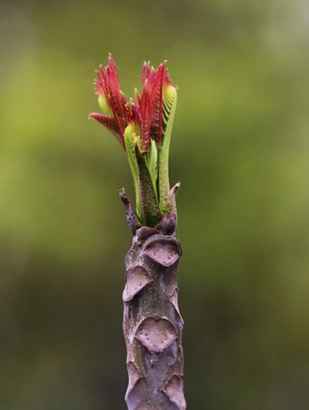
[(240, 149)]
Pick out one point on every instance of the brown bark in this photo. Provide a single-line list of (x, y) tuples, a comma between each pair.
[(152, 323)]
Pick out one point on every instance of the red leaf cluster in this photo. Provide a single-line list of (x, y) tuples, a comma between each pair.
[(146, 110)]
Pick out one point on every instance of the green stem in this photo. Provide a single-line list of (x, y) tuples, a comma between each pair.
[(148, 200)]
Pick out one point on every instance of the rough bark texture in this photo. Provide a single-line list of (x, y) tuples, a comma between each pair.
[(152, 323)]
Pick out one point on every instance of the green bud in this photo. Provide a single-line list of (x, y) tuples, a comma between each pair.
[(103, 104), (169, 93)]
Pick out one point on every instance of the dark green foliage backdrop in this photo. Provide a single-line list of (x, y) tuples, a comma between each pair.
[(240, 150)]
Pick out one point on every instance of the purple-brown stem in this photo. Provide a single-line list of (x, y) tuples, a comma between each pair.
[(152, 323)]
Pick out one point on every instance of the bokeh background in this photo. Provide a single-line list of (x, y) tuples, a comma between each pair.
[(240, 149)]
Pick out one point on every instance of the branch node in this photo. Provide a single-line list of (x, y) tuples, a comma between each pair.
[(131, 218)]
